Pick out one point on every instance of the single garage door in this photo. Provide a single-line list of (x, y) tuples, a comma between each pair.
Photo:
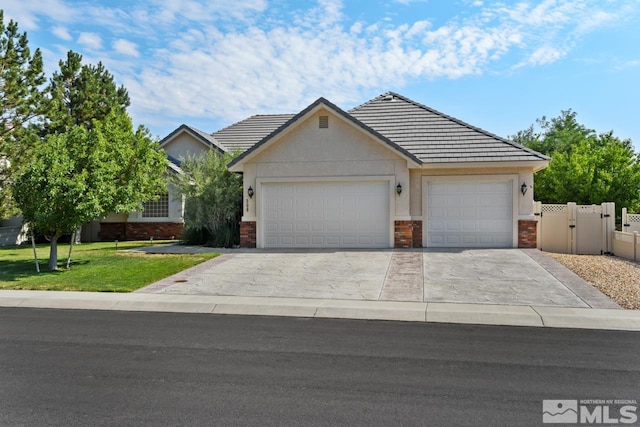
[(470, 214), (326, 215)]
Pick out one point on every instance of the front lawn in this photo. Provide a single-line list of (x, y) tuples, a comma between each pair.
[(94, 267)]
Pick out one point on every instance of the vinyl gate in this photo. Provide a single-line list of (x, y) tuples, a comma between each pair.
[(575, 229)]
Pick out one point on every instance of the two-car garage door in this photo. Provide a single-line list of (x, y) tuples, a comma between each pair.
[(326, 214), (469, 214)]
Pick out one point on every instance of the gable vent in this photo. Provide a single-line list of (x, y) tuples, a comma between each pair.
[(324, 122)]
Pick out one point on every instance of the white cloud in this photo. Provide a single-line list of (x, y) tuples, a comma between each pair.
[(256, 56), (28, 13), (61, 33), (90, 40), (543, 55), (126, 47)]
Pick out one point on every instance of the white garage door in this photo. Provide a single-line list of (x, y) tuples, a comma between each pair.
[(326, 215), (470, 214)]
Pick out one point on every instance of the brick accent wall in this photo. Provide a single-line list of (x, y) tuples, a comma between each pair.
[(247, 234), (407, 234), (527, 233), (140, 230), (110, 231)]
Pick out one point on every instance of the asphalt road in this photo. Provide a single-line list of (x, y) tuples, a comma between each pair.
[(89, 368)]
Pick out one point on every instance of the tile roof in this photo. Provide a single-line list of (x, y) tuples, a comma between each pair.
[(435, 137), (418, 131), (246, 133)]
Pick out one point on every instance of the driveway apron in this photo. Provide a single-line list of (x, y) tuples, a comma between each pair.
[(475, 276)]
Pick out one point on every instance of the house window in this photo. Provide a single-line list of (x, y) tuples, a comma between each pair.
[(156, 208)]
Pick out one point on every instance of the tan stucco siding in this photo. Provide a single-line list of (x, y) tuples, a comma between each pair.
[(183, 145), (342, 150), (339, 142)]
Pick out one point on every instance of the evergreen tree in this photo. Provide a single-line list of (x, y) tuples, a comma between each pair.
[(21, 77)]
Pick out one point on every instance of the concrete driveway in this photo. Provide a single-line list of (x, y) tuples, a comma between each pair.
[(477, 276)]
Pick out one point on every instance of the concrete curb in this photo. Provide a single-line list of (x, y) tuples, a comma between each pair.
[(480, 314)]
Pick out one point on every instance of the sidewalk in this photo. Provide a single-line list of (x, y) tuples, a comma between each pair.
[(432, 312)]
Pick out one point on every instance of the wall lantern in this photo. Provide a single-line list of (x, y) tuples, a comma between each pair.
[(523, 188), (399, 188), (250, 192)]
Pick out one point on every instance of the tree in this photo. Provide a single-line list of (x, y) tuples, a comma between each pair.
[(213, 197), (80, 94), (586, 167), (21, 76), (86, 173)]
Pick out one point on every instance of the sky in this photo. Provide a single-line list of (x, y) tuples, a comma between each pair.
[(498, 65)]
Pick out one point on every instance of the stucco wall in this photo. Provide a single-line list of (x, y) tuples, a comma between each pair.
[(341, 150), (184, 144)]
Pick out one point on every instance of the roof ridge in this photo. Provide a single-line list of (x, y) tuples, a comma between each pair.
[(370, 101)]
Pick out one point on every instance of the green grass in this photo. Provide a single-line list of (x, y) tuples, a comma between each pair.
[(94, 267)]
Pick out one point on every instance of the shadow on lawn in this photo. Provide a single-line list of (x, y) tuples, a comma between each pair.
[(11, 271)]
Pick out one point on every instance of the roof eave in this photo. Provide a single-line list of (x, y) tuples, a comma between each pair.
[(536, 165), (183, 128)]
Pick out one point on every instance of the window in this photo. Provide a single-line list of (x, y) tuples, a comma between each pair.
[(156, 208)]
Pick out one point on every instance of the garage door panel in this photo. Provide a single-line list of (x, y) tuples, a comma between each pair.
[(469, 214), (352, 214)]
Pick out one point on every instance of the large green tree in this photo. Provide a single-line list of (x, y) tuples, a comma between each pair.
[(586, 167), (21, 77), (87, 172)]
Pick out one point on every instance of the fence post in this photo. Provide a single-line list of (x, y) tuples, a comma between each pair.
[(537, 212), (608, 215), (625, 221), (572, 211), (635, 246)]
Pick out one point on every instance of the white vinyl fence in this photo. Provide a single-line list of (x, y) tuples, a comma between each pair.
[(626, 245), (630, 222), (576, 229)]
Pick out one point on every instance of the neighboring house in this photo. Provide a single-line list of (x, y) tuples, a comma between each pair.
[(388, 173), (164, 218)]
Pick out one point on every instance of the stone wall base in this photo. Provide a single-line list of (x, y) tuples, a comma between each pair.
[(527, 233), (110, 231), (407, 234)]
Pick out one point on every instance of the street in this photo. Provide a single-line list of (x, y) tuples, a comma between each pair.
[(90, 368)]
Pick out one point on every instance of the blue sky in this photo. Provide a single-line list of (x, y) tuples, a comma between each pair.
[(498, 65)]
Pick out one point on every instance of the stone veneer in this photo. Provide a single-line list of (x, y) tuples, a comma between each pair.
[(140, 230), (407, 234), (527, 233), (247, 234)]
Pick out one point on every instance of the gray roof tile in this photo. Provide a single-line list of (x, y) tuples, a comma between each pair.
[(421, 132), (433, 136), (246, 133)]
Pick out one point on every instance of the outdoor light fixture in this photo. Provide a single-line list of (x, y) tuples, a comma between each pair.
[(523, 188), (399, 188), (250, 192)]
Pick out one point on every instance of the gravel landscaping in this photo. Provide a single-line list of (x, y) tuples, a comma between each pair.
[(616, 277)]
